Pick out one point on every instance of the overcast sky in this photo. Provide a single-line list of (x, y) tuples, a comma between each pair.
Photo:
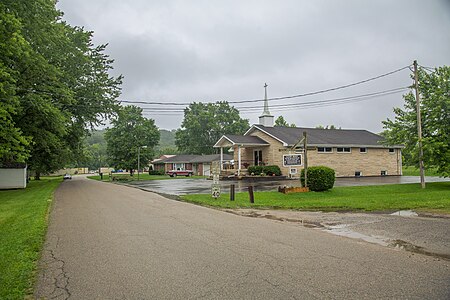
[(184, 51)]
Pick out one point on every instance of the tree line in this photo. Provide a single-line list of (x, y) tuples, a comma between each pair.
[(55, 87)]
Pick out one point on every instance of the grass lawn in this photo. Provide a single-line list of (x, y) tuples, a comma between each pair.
[(23, 224), (142, 176), (413, 171), (435, 198)]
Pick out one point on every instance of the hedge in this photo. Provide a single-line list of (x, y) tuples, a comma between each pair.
[(268, 170), (320, 178), (156, 172)]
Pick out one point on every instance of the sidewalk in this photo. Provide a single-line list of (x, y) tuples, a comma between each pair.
[(406, 230)]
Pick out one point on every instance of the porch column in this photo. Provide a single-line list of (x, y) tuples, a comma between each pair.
[(221, 158), (239, 160)]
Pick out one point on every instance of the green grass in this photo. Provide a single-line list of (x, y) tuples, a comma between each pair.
[(142, 176), (435, 198), (413, 171), (23, 224)]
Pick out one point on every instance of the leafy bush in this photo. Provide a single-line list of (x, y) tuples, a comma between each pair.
[(269, 170), (320, 178), (156, 172), (255, 169)]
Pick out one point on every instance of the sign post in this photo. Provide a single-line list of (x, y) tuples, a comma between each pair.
[(215, 187)]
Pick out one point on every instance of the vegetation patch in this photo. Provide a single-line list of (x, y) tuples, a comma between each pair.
[(319, 178), (435, 198), (23, 224), (414, 171)]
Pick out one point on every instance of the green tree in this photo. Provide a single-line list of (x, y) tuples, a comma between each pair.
[(327, 127), (13, 143), (205, 123), (281, 122), (434, 91), (61, 82), (131, 133)]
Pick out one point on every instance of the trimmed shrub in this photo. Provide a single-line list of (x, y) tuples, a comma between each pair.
[(320, 178), (255, 169), (156, 172), (271, 170)]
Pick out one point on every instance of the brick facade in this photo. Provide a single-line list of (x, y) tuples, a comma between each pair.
[(371, 163)]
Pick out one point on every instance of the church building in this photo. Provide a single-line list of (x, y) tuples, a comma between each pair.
[(350, 152)]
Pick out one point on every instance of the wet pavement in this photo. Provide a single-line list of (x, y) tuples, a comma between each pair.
[(403, 230), (203, 186)]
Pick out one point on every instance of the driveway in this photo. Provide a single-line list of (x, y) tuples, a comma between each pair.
[(108, 241), (203, 186)]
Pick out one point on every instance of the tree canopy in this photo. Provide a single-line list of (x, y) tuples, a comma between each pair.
[(434, 88), (281, 122), (54, 85), (205, 123), (131, 133)]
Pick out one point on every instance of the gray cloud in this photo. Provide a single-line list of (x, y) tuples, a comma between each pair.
[(225, 50)]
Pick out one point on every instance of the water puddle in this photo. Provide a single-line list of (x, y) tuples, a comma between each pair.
[(405, 213), (343, 230)]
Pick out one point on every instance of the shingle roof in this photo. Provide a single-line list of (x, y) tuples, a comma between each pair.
[(246, 139), (210, 158), (325, 137), (190, 158)]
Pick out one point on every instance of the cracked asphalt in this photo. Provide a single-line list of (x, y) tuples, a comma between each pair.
[(108, 241)]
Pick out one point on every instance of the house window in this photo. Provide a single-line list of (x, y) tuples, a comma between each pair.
[(343, 150), (179, 167), (257, 155), (363, 150), (383, 173), (391, 150), (324, 149), (358, 173)]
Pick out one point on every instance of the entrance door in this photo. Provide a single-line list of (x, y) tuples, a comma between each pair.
[(257, 154)]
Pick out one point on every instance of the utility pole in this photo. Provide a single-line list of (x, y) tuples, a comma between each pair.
[(305, 159), (419, 126)]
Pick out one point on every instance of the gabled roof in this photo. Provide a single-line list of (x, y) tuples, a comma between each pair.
[(242, 140), (190, 158), (210, 158), (323, 137)]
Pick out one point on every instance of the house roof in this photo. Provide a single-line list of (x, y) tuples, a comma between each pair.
[(210, 158), (323, 137), (190, 158), (243, 140)]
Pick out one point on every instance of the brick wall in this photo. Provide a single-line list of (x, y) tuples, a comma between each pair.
[(370, 163)]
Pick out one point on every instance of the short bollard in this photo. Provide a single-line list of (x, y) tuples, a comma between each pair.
[(232, 192), (250, 194)]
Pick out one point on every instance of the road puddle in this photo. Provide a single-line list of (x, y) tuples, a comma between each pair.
[(343, 230), (405, 213)]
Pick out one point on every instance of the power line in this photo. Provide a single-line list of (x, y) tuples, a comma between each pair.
[(281, 98)]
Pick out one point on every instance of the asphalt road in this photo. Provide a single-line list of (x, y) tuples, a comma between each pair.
[(107, 241), (203, 186)]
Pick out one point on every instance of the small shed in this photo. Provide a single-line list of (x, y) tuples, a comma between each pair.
[(13, 176)]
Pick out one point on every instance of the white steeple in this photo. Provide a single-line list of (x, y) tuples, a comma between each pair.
[(266, 119)]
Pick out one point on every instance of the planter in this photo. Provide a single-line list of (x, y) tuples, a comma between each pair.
[(296, 189)]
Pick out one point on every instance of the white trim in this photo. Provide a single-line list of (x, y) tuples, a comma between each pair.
[(340, 152), (223, 136), (365, 152), (272, 136), (324, 148), (391, 152)]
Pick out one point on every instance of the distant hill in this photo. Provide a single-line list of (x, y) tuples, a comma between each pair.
[(167, 140)]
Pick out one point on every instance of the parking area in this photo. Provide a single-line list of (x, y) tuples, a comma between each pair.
[(203, 186)]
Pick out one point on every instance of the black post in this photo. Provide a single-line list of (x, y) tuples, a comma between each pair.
[(250, 194), (232, 192)]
